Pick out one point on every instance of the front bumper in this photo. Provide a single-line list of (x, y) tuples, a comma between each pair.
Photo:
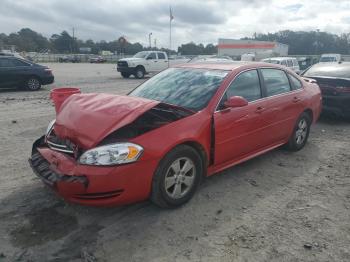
[(47, 80), (92, 185), (125, 69), (339, 105)]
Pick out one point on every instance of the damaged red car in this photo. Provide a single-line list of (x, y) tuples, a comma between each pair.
[(165, 136)]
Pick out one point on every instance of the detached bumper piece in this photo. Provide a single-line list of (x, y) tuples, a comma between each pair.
[(42, 169)]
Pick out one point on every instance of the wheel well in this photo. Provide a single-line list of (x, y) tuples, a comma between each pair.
[(140, 66), (34, 76), (310, 113), (200, 149)]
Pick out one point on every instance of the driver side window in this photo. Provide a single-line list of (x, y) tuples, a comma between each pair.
[(246, 85), (152, 56)]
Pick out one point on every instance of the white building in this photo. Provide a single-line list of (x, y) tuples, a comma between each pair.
[(231, 47)]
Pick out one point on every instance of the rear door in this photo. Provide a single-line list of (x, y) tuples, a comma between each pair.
[(238, 131), (152, 62), (14, 71), (7, 72), (162, 61), (283, 104)]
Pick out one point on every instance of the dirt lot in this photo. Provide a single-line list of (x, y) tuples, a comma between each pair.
[(281, 206)]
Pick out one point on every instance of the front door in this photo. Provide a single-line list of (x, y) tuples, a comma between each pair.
[(162, 61), (239, 131), (152, 62)]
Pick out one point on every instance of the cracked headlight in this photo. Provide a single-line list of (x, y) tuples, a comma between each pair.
[(50, 126), (114, 154)]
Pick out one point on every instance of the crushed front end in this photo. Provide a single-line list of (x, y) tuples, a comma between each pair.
[(73, 157), (59, 168)]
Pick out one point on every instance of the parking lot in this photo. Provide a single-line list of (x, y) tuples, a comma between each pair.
[(281, 206)]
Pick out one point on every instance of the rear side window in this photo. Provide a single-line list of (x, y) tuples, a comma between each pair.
[(276, 81), (17, 62), (284, 62), (289, 63), (296, 84), (161, 56), (246, 85)]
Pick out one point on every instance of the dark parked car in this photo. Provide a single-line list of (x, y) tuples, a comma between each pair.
[(69, 59), (334, 81), (98, 59), (15, 72)]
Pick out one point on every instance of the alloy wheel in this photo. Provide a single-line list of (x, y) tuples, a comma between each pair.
[(301, 131), (180, 177), (33, 84)]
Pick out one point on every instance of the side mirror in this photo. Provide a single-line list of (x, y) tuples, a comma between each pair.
[(235, 101)]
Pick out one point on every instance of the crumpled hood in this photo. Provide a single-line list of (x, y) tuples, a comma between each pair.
[(85, 119)]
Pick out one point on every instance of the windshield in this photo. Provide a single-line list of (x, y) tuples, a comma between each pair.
[(328, 59), (330, 70), (141, 54), (184, 87)]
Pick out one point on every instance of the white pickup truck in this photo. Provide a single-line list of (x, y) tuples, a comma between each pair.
[(143, 63)]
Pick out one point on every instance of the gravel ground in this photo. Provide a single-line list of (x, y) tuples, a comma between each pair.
[(280, 206)]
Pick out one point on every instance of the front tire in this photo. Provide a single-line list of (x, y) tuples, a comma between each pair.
[(177, 177), (33, 84), (139, 73), (300, 133)]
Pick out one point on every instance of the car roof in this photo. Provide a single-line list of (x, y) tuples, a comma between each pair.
[(227, 65), (332, 65)]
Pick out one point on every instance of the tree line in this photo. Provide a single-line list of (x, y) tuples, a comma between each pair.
[(300, 43)]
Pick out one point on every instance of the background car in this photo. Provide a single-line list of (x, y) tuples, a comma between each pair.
[(15, 72), (334, 82), (185, 123), (210, 58), (330, 58), (98, 59), (290, 62), (69, 59)]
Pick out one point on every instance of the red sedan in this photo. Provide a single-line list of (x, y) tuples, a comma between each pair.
[(178, 127)]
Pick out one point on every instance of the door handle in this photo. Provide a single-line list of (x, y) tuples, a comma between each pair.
[(155, 61), (259, 109), (296, 99)]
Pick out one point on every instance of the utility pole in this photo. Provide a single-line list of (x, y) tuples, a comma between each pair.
[(149, 39), (73, 33), (171, 18)]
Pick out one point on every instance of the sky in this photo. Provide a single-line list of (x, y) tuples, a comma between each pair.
[(198, 21)]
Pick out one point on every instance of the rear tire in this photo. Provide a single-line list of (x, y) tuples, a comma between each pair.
[(177, 177), (33, 84), (300, 133), (125, 75)]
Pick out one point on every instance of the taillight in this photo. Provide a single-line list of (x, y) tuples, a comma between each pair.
[(48, 71)]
